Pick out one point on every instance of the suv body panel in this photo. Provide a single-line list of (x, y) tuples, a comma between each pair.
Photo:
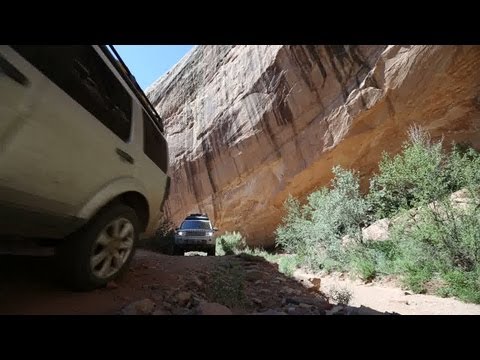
[(58, 163)]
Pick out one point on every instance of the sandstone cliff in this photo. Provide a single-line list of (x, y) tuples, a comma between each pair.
[(248, 125)]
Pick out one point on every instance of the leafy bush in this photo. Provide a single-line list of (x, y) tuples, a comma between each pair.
[(464, 285), (315, 230), (260, 252), (463, 168), (230, 244), (433, 241), (373, 258), (410, 178), (363, 263), (288, 264), (441, 241), (420, 174)]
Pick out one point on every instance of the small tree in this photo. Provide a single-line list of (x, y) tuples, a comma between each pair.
[(409, 179), (315, 230)]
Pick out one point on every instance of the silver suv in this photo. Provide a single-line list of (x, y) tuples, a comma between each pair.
[(195, 234), (83, 157)]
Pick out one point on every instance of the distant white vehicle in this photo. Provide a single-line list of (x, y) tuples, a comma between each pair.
[(196, 233), (83, 159)]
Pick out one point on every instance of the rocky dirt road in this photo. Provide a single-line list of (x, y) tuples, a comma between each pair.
[(161, 285), (199, 285)]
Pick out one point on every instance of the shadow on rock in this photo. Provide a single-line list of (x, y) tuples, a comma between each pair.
[(352, 310)]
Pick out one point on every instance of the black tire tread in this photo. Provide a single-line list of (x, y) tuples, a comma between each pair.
[(73, 254)]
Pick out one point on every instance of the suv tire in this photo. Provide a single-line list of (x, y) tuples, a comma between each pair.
[(101, 250)]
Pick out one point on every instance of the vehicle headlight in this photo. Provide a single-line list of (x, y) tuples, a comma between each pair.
[(181, 233), (209, 233)]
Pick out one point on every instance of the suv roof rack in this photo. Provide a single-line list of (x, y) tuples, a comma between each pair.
[(198, 216)]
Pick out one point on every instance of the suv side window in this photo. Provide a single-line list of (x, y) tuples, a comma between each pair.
[(81, 73), (154, 144)]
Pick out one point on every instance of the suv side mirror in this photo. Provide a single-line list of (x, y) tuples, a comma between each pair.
[(215, 229), (176, 229)]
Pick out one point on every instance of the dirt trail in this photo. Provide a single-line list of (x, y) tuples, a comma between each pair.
[(388, 296), (175, 285), (166, 284)]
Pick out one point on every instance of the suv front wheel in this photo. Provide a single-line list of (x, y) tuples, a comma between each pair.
[(101, 250)]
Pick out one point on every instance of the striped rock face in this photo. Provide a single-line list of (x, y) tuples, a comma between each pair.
[(247, 125)]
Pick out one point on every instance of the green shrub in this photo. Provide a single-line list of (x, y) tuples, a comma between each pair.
[(230, 244), (258, 251), (291, 236), (420, 174), (464, 285), (463, 168), (432, 241), (410, 178), (315, 230), (372, 258), (288, 264), (443, 242), (438, 238), (363, 263)]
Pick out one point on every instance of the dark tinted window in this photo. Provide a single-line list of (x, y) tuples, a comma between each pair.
[(155, 145), (83, 75), (195, 224)]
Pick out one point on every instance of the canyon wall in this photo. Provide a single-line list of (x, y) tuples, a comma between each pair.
[(247, 125)]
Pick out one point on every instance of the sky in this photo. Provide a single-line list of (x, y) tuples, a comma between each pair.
[(148, 62)]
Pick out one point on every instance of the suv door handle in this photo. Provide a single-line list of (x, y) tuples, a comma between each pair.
[(12, 72), (124, 156)]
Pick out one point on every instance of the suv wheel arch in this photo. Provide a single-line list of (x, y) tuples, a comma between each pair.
[(125, 190)]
